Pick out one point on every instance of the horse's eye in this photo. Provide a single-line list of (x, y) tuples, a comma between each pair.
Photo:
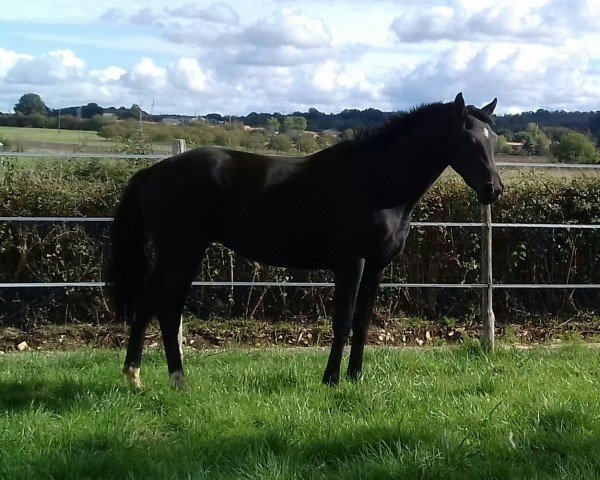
[(468, 124)]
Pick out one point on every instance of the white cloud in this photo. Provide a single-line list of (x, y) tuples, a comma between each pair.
[(332, 76), (146, 76), (220, 13), (8, 59), (58, 66), (186, 74), (109, 74), (544, 21), (143, 17), (289, 28), (521, 76)]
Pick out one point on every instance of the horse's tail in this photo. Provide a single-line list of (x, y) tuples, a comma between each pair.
[(128, 267)]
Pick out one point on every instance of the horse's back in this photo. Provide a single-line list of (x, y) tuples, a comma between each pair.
[(218, 187)]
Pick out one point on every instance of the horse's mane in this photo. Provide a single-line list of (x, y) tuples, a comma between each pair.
[(402, 123)]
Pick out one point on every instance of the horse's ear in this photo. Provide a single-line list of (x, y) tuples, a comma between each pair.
[(489, 108), (459, 104)]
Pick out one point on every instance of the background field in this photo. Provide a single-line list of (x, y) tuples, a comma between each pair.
[(262, 414), (33, 139), (52, 140)]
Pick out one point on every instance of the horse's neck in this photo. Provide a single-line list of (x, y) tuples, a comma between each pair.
[(403, 173)]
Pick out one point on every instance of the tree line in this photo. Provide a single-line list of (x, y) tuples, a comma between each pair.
[(567, 136)]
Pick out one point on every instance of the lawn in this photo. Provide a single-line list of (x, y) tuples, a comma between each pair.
[(262, 414)]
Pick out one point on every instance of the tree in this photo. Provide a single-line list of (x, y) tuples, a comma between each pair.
[(307, 144), (280, 143), (91, 109), (326, 141), (221, 137), (254, 141), (227, 138), (594, 125), (30, 104), (136, 111), (273, 125), (575, 147), (5, 144), (348, 134), (535, 141), (294, 122), (98, 121), (502, 145)]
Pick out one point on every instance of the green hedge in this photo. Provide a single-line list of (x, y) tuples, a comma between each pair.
[(75, 252)]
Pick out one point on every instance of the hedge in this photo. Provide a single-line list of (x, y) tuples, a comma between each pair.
[(55, 252)]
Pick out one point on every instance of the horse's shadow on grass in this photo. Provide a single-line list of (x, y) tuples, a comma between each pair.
[(358, 453), (58, 396)]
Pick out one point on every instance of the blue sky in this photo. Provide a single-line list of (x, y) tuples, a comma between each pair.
[(281, 56)]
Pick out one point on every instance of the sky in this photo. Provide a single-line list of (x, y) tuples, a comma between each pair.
[(236, 57)]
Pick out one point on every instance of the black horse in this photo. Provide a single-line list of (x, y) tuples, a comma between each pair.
[(346, 208)]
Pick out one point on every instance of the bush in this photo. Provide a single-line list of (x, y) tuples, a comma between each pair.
[(6, 144), (575, 147), (75, 252)]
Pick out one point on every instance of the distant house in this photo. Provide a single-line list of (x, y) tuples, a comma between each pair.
[(172, 121), (248, 128), (331, 132), (514, 147), (109, 115)]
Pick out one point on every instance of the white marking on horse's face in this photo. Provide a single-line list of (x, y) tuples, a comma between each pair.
[(133, 377), (486, 132), (178, 381)]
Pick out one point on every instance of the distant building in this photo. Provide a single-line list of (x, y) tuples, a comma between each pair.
[(331, 132), (172, 121)]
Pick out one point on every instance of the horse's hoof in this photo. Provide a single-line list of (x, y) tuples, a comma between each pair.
[(354, 376), (133, 377), (178, 381), (331, 381)]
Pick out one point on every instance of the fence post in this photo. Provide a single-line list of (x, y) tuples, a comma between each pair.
[(487, 312), (178, 146)]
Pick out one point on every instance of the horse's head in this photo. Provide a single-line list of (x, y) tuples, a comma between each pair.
[(474, 158)]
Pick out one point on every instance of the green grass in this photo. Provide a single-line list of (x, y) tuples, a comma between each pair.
[(439, 413), (50, 135)]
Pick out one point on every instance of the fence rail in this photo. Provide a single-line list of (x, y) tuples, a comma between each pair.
[(486, 286)]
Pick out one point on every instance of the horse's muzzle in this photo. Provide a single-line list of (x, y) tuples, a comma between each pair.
[(490, 193)]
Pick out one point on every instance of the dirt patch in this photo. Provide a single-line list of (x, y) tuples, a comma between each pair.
[(297, 333)]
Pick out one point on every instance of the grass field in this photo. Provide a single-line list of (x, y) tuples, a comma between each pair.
[(40, 137), (262, 414), (50, 140)]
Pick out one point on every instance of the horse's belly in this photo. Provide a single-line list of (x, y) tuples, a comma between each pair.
[(282, 250)]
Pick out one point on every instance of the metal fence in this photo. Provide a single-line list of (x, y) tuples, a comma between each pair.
[(486, 285)]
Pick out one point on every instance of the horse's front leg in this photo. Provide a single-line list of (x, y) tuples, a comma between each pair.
[(367, 294), (347, 282)]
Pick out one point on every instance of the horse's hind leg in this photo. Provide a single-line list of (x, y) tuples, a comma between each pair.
[(178, 275), (145, 308)]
